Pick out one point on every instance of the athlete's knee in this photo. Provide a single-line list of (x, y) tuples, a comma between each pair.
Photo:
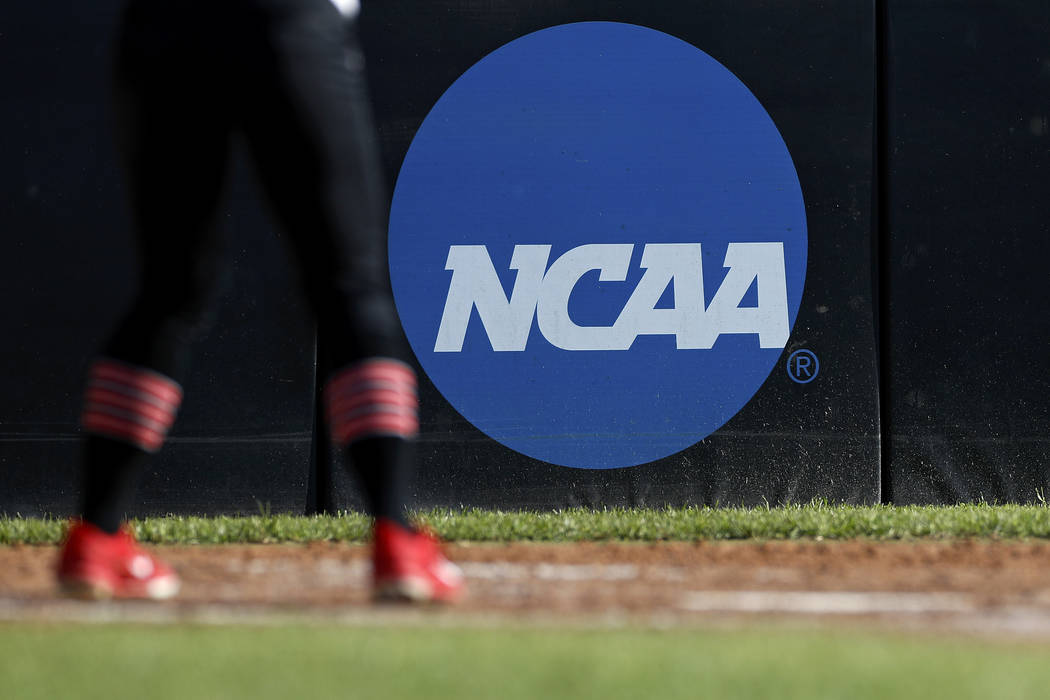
[(182, 321)]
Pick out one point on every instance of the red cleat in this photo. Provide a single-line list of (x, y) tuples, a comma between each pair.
[(409, 566), (97, 565)]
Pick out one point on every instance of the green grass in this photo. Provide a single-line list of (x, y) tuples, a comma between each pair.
[(128, 661), (644, 525)]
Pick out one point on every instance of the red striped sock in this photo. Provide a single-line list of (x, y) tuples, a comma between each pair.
[(372, 398), (131, 404)]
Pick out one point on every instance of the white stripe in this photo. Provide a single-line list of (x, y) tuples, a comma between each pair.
[(370, 409), (548, 571), (826, 602), (349, 8), (133, 393), (128, 416), (370, 433), (136, 371)]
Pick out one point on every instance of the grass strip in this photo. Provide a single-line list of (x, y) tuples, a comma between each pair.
[(580, 524), (110, 662)]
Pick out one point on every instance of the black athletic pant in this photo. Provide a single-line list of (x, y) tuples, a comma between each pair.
[(287, 75)]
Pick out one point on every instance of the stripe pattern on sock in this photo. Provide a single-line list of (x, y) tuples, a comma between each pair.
[(372, 398), (132, 404)]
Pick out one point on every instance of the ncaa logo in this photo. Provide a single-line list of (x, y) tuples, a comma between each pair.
[(598, 245)]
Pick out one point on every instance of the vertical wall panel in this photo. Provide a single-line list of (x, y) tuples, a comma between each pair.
[(967, 268)]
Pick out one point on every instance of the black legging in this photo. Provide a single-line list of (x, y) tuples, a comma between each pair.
[(288, 76)]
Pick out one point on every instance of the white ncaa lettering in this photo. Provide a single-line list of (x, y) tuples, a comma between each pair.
[(545, 293), (476, 285), (664, 263), (552, 310), (748, 262)]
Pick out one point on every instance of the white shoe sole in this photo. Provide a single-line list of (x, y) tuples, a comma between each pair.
[(158, 589)]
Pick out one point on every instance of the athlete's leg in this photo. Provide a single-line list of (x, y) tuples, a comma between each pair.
[(173, 133), (310, 129)]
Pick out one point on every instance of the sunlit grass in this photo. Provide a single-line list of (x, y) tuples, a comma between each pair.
[(579, 524)]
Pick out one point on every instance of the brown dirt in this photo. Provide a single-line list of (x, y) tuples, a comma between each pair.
[(520, 581)]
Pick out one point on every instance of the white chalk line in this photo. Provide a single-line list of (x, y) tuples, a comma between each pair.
[(828, 602), (333, 569), (915, 612), (173, 612)]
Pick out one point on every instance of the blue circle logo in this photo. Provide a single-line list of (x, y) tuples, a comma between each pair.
[(598, 245)]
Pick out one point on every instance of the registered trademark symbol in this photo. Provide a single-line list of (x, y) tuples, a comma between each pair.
[(803, 366)]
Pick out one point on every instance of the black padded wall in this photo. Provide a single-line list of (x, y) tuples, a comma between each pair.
[(968, 351)]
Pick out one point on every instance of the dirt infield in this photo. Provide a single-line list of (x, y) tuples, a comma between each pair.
[(979, 586)]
